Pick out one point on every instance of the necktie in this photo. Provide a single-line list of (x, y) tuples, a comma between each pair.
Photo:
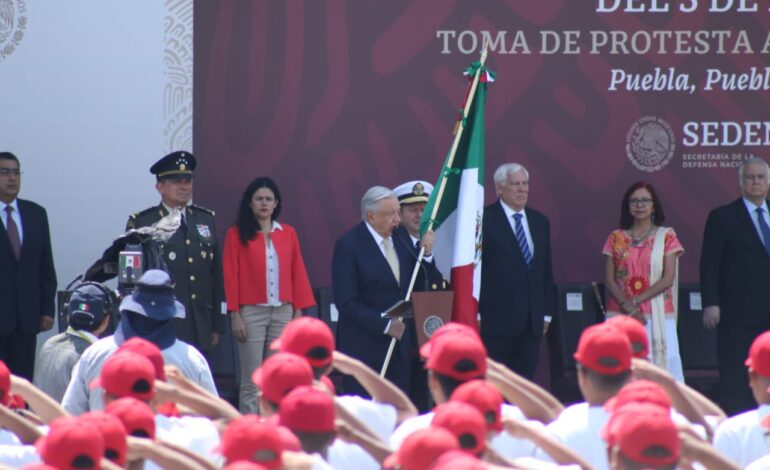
[(417, 245), (183, 223), (764, 228), (521, 237), (390, 256), (13, 233)]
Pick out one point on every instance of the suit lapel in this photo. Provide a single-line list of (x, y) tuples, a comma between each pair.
[(746, 221), (505, 230)]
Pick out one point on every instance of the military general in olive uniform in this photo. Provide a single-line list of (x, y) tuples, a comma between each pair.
[(192, 253)]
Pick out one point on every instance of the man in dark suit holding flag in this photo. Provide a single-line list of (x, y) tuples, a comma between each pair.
[(517, 288), (370, 273), (27, 274)]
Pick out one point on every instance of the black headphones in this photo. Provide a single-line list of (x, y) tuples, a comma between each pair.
[(110, 305)]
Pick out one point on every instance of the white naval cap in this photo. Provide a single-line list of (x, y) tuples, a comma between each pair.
[(413, 191)]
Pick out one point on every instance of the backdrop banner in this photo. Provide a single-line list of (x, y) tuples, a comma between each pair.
[(330, 98)]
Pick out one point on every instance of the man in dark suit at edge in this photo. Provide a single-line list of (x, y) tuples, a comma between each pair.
[(27, 274), (735, 280), (517, 288), (370, 273)]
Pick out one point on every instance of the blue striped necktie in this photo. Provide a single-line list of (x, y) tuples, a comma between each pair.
[(763, 227), (521, 237)]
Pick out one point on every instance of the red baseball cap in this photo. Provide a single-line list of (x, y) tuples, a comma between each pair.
[(422, 448), (447, 329), (137, 416), (458, 460), (250, 438), (484, 397), (308, 337), (5, 384), (636, 332), (280, 374), (306, 409), (147, 349), (604, 349), (647, 437), (639, 391), (244, 465), (71, 443), (127, 375), (608, 432), (290, 440), (459, 356), (759, 355), (465, 422), (113, 432)]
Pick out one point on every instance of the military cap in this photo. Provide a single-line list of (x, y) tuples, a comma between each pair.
[(179, 163), (413, 192)]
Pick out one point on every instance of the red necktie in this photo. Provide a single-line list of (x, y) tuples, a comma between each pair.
[(13, 233)]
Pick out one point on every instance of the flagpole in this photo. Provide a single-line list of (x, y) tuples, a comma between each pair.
[(458, 133)]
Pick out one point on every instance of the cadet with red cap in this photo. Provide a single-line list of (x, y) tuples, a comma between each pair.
[(72, 444), (642, 435), (114, 434), (309, 413), (422, 448), (454, 358), (312, 339), (250, 438), (280, 374), (742, 438), (604, 365), (465, 422)]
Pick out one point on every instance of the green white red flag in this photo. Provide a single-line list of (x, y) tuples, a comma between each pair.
[(459, 208)]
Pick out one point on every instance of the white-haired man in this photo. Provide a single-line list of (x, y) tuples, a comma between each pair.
[(370, 273)]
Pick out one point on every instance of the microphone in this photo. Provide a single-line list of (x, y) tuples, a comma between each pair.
[(410, 249)]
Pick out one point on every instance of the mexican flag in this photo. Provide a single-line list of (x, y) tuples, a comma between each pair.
[(459, 207)]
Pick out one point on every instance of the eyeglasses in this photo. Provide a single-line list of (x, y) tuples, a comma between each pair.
[(639, 202), (6, 172)]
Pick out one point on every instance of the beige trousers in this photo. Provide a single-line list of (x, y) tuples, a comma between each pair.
[(263, 325)]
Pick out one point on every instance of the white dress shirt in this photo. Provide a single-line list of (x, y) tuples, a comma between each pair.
[(15, 215)]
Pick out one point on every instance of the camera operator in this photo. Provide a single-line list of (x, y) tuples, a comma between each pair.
[(89, 315)]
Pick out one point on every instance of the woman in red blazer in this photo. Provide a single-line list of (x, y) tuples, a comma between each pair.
[(266, 283)]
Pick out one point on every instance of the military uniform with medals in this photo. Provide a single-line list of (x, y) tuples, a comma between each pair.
[(193, 258)]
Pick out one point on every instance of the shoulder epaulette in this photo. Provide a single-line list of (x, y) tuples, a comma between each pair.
[(140, 213), (202, 209)]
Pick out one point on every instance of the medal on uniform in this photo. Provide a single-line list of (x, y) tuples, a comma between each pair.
[(203, 230), (172, 256)]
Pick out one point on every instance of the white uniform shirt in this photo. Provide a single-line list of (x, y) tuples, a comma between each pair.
[(578, 427), (196, 434), (345, 456), (17, 456), (79, 399), (742, 437), (763, 463), (379, 417), (503, 443)]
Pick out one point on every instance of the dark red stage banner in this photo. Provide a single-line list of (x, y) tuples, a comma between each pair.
[(332, 97)]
